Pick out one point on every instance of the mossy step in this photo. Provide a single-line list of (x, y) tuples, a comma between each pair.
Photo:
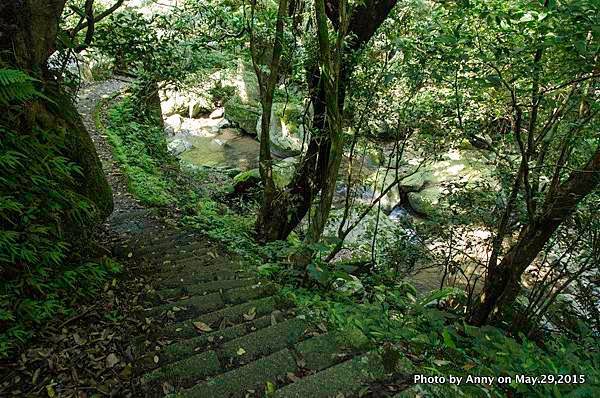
[(170, 246), (201, 304), (143, 245), (185, 258), (185, 348), (253, 376), (193, 277), (344, 378), (247, 293), (197, 263), (145, 240), (262, 342), (228, 315), (187, 308), (198, 289), (177, 251), (319, 352), (181, 374)]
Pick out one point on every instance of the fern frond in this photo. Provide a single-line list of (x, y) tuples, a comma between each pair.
[(16, 86)]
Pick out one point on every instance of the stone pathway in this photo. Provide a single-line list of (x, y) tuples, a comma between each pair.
[(212, 329), (217, 331)]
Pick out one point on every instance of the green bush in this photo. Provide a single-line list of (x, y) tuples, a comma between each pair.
[(140, 147)]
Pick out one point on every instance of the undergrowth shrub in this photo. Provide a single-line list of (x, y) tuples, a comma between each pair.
[(140, 147), (40, 276)]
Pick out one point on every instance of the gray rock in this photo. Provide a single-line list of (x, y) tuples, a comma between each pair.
[(217, 113), (173, 124), (178, 146), (286, 131), (223, 123)]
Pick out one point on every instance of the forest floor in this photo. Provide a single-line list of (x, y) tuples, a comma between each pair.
[(186, 317)]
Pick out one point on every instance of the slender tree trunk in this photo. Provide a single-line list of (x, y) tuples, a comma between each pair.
[(316, 165), (504, 280), (271, 213)]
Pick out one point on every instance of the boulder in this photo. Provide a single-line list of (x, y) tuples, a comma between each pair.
[(245, 181), (223, 123), (425, 200), (377, 183), (183, 102), (286, 131), (178, 146), (173, 124), (245, 116), (283, 172), (217, 113), (416, 181)]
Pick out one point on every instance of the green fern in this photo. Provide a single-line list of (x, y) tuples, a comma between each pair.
[(16, 86)]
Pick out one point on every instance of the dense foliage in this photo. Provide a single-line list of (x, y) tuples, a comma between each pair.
[(41, 276), (442, 200)]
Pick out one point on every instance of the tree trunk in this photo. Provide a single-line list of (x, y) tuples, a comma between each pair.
[(503, 281), (316, 165), (28, 30)]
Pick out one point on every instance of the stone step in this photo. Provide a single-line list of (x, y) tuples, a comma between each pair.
[(200, 304), (343, 379), (148, 239), (197, 263), (238, 382), (227, 316), (262, 342), (199, 275), (249, 293), (187, 308), (177, 252), (151, 242), (204, 340), (198, 289), (181, 374), (320, 352)]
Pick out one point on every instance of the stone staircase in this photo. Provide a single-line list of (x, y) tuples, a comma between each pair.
[(215, 330)]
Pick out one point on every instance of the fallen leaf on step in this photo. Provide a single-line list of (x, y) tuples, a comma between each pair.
[(126, 372), (439, 362), (251, 314), (269, 388), (50, 390), (203, 327), (167, 388), (130, 255), (111, 360), (78, 339), (241, 351), (292, 377), (156, 359), (469, 366)]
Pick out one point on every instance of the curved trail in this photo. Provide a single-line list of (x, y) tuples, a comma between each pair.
[(129, 216)]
